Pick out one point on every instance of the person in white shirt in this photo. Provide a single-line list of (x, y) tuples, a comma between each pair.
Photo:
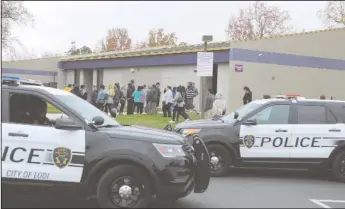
[(168, 101)]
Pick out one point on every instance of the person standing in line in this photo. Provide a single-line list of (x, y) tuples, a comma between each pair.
[(148, 100), (190, 96), (83, 92), (76, 91), (209, 102), (142, 100), (130, 102), (101, 97), (108, 98), (167, 102), (137, 96), (68, 88), (122, 100), (247, 97), (152, 102), (144, 90), (173, 93), (94, 95), (158, 94), (117, 95)]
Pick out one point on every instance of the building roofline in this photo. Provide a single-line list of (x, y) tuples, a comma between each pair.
[(212, 46)]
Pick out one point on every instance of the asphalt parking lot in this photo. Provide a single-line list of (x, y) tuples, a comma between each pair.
[(248, 188)]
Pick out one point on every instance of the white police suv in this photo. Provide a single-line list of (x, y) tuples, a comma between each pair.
[(87, 153), (276, 133)]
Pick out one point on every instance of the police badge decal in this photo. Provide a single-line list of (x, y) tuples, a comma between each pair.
[(62, 156), (249, 141)]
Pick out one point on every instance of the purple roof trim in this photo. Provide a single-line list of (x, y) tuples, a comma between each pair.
[(173, 59)]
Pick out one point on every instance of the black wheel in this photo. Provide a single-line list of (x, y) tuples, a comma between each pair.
[(220, 160), (124, 186), (338, 167)]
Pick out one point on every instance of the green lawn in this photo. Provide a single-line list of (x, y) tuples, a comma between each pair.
[(151, 121), (52, 109)]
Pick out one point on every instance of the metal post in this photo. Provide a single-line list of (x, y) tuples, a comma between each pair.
[(203, 89)]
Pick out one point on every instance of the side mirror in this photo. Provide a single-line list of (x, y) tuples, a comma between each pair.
[(98, 120), (66, 124), (250, 122), (235, 115)]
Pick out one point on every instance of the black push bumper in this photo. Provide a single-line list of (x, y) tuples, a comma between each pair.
[(193, 175)]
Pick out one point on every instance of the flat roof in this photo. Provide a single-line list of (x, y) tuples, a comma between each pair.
[(212, 46)]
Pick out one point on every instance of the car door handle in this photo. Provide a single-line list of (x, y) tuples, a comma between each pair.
[(281, 130), (334, 130), (18, 134)]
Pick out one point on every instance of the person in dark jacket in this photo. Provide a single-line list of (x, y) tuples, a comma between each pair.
[(83, 92), (152, 97), (247, 97), (94, 95), (117, 95), (76, 91), (130, 102), (158, 93)]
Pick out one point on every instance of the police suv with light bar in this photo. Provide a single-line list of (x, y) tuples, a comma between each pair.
[(89, 153), (276, 133), (20, 81)]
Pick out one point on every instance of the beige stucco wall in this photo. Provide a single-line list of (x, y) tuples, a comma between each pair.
[(327, 44), (278, 79), (44, 64)]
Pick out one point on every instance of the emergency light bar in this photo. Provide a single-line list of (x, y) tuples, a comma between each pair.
[(289, 96)]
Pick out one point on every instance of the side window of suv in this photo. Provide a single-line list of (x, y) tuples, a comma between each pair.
[(275, 114), (30, 109), (311, 114)]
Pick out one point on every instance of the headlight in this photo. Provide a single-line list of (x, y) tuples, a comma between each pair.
[(169, 150), (187, 132)]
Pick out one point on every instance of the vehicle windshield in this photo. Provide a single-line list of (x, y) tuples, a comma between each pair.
[(242, 111), (85, 109)]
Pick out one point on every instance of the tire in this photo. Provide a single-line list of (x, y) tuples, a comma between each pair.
[(336, 166), (220, 150), (108, 178)]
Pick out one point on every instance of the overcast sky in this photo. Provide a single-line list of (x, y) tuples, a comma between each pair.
[(57, 24)]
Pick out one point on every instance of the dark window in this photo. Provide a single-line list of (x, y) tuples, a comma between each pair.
[(276, 114), (34, 112), (309, 114)]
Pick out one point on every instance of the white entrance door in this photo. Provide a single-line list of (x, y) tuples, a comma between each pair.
[(269, 136), (35, 152)]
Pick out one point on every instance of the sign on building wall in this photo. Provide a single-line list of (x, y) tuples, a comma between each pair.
[(204, 64), (238, 68)]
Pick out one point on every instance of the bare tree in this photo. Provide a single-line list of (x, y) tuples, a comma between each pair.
[(117, 39), (333, 14), (258, 21), (12, 12)]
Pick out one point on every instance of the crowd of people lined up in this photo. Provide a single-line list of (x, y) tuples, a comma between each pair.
[(176, 101)]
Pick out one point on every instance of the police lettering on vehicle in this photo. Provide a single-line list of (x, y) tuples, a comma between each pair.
[(21, 155), (60, 156), (303, 142)]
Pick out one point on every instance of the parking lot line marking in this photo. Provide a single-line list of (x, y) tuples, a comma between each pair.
[(322, 202), (317, 202)]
